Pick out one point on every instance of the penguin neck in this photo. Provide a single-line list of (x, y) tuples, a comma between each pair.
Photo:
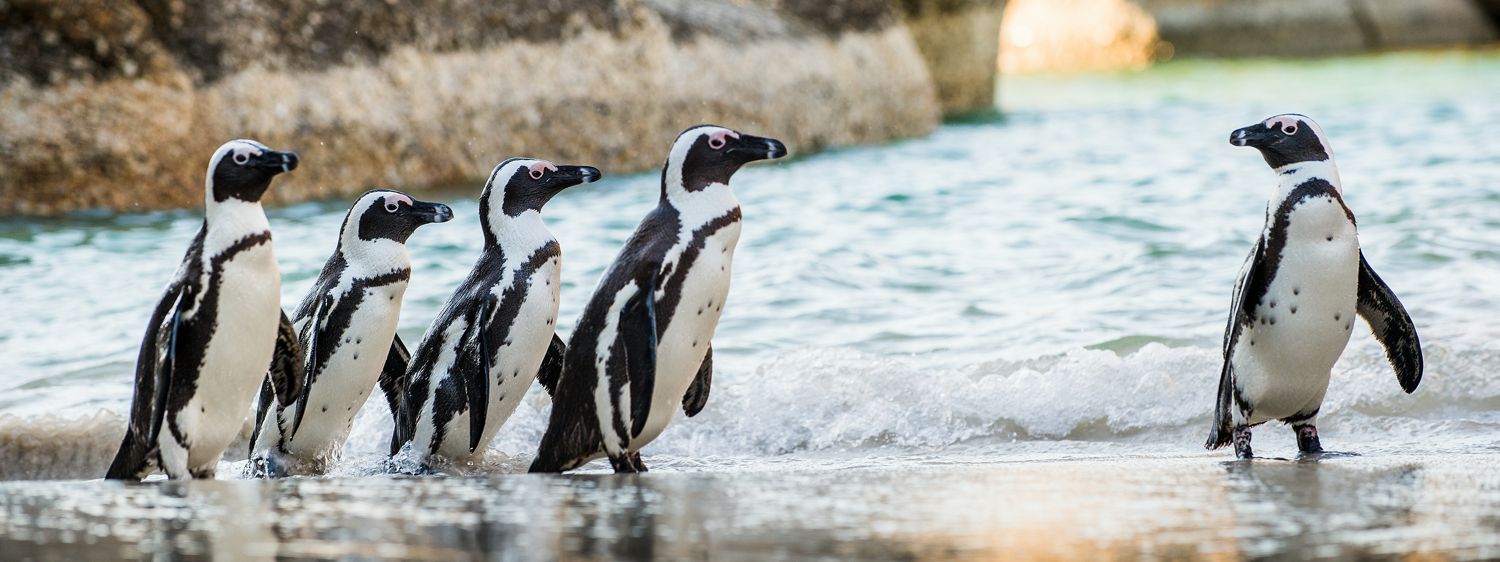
[(373, 258), (711, 201), (230, 220), (519, 233), (1290, 176)]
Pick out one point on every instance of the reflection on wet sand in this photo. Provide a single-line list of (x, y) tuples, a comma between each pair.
[(1200, 508)]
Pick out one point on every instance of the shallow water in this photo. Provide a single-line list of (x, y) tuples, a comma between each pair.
[(1393, 507), (1052, 283)]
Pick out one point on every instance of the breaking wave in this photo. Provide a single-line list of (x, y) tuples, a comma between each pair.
[(817, 401)]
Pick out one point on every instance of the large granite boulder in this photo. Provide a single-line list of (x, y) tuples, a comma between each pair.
[(118, 103)]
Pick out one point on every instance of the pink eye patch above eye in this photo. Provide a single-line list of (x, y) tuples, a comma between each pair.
[(1281, 123), (716, 140), (539, 167), (397, 198)]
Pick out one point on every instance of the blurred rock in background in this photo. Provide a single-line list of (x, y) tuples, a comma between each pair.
[(1046, 35), (1039, 35)]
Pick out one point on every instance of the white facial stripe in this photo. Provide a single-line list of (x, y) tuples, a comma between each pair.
[(508, 168), (1282, 122), (1288, 120), (680, 149), (717, 138), (239, 150)]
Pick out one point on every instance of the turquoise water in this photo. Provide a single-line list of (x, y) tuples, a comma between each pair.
[(1052, 283)]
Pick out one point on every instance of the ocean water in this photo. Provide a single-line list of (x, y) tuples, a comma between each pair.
[(1052, 284)]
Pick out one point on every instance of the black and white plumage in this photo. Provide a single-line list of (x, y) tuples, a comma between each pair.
[(497, 332), (211, 339), (642, 346), (1298, 292), (347, 330)]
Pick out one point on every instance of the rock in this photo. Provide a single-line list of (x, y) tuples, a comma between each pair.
[(1257, 27), (1422, 23), (960, 41), (1315, 27), (118, 104), (1070, 35)]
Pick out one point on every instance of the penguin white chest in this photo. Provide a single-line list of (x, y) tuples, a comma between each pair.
[(1305, 318), (236, 359), (520, 356), (682, 347), (514, 366), (348, 377)]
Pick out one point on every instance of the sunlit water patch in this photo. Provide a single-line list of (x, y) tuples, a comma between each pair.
[(1055, 282)]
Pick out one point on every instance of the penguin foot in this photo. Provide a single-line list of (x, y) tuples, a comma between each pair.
[(1307, 439), (635, 461), (1242, 443), (622, 464)]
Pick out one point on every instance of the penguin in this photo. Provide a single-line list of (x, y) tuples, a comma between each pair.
[(642, 345), (347, 330), (213, 336), (497, 332), (1298, 292)]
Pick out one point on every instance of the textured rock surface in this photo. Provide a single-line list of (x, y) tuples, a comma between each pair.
[(1315, 27), (960, 41), (118, 104)]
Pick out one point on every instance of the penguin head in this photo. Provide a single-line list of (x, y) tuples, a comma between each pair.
[(1284, 139), (708, 154), (518, 185), (242, 169), (386, 214)]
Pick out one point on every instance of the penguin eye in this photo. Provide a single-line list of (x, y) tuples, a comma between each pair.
[(536, 173), (241, 158), (391, 207), (716, 142), (1290, 130)]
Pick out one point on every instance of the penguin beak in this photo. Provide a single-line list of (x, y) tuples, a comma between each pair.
[(569, 176), (277, 162), (431, 212), (1257, 135), (750, 148)]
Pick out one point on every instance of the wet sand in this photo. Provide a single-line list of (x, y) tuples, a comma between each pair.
[(1183, 508)]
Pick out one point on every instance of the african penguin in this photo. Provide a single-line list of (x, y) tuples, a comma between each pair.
[(347, 328), (497, 332), (1298, 292), (642, 346), (211, 339)]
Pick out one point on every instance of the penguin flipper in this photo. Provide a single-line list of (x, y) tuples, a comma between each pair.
[(310, 367), (552, 365), (1391, 325), (1222, 432), (393, 384), (262, 407), (638, 330), (287, 374), (153, 380), (697, 392), (476, 377)]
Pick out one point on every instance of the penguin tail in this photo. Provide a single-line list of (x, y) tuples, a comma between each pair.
[(1218, 437), (544, 466), (567, 445), (130, 462), (548, 459)]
